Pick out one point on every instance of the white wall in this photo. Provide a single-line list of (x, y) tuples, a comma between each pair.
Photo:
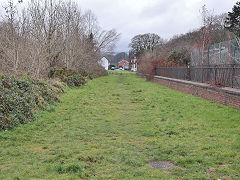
[(104, 63)]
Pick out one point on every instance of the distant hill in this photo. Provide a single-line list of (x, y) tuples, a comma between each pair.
[(115, 58), (115, 52)]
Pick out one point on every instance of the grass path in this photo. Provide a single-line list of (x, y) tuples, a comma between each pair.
[(114, 126)]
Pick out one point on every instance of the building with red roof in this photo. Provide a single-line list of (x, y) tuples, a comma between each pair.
[(123, 64)]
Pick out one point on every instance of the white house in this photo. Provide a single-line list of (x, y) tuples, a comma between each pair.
[(134, 64), (104, 62)]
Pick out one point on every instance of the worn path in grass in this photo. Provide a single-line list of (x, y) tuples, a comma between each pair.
[(113, 127)]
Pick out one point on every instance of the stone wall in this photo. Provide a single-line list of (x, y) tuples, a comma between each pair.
[(226, 96)]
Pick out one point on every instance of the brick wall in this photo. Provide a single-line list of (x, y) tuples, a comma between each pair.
[(225, 96)]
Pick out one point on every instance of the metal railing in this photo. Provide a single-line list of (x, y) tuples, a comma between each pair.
[(219, 75)]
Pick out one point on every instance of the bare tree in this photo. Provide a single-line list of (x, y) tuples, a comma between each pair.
[(11, 35), (51, 33), (107, 40), (144, 42), (103, 40)]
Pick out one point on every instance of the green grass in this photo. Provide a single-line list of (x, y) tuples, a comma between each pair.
[(114, 126)]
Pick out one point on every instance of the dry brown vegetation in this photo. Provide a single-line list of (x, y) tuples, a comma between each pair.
[(48, 34)]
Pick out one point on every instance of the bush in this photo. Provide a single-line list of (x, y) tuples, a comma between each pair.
[(61, 73), (181, 57), (74, 80), (69, 76), (21, 97), (96, 72)]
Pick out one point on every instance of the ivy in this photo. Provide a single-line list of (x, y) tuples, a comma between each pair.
[(21, 97)]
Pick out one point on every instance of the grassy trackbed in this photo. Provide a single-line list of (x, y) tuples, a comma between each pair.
[(114, 126)]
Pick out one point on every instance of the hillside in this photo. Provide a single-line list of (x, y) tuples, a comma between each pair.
[(114, 59)]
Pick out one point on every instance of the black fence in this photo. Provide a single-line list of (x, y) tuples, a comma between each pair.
[(219, 75)]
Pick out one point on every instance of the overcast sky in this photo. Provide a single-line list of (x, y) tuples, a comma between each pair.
[(164, 17)]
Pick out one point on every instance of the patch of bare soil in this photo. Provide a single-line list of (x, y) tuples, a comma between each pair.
[(162, 165)]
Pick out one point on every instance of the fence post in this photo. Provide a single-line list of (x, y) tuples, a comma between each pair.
[(233, 73), (215, 73), (208, 55), (189, 72)]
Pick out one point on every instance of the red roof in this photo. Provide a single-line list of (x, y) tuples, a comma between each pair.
[(123, 63)]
